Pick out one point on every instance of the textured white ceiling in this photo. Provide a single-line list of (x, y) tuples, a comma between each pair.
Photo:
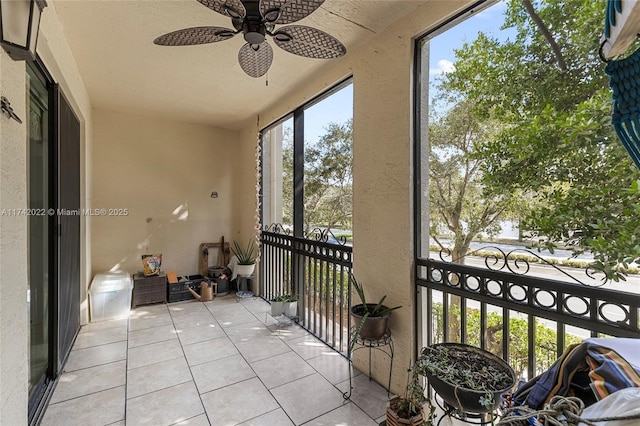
[(112, 42)]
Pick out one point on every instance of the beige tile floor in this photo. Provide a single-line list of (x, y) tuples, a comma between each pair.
[(218, 363)]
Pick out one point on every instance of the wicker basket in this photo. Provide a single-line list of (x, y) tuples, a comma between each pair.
[(394, 420), (151, 289)]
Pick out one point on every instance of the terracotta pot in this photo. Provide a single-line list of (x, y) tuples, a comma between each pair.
[(374, 327)]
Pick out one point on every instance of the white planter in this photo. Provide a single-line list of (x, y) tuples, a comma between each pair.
[(277, 308), (245, 270), (290, 309)]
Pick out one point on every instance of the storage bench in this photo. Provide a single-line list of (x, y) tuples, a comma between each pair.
[(152, 289)]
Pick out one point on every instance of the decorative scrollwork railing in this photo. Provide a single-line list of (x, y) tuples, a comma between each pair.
[(504, 291), (518, 261), (325, 235)]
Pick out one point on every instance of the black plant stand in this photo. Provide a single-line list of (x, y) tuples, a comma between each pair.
[(384, 345), (465, 417)]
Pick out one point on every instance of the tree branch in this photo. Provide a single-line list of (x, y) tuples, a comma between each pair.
[(547, 34)]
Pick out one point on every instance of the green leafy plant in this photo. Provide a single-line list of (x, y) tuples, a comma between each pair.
[(284, 298), (367, 310), (413, 402), (245, 256)]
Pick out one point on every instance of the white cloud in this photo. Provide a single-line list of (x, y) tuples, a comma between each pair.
[(444, 66)]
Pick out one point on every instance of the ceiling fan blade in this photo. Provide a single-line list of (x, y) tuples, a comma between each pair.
[(287, 11), (195, 35), (232, 8), (308, 42), (255, 59)]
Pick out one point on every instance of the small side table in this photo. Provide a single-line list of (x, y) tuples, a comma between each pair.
[(384, 345), (152, 289), (243, 287)]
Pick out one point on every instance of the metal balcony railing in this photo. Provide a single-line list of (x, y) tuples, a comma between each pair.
[(317, 272), (527, 320)]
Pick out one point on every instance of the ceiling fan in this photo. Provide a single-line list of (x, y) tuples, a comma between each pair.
[(256, 19)]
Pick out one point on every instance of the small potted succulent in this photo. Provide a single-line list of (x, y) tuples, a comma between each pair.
[(371, 318), (285, 304)]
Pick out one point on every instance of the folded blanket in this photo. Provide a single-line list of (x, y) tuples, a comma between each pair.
[(589, 371)]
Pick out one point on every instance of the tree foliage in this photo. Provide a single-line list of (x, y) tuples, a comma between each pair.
[(556, 144), (328, 179), (456, 191)]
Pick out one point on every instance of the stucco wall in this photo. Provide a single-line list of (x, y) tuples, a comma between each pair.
[(14, 321), (163, 173), (383, 169)]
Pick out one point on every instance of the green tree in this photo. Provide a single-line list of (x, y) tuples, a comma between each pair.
[(458, 204), (556, 144), (328, 178), (287, 177)]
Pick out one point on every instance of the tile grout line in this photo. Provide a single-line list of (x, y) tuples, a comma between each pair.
[(315, 371), (349, 367), (126, 372), (206, 414), (258, 377)]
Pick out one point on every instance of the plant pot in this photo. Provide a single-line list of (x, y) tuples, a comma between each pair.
[(374, 328), (393, 419), (222, 287), (290, 309), (277, 308), (244, 270), (471, 358)]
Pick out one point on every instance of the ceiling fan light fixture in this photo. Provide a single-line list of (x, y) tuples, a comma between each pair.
[(254, 33), (254, 37)]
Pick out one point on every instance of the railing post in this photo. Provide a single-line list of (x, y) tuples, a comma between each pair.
[(297, 273)]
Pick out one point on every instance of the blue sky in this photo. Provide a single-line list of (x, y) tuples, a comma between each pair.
[(339, 107), (442, 46)]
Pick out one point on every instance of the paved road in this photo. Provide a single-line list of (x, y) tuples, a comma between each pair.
[(631, 285)]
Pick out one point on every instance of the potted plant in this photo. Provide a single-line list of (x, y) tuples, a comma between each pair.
[(413, 408), (468, 378), (284, 305), (246, 258), (371, 318)]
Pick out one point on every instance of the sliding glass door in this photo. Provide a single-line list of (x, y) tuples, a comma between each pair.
[(40, 233)]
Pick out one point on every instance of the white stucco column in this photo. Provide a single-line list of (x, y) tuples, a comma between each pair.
[(382, 212)]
